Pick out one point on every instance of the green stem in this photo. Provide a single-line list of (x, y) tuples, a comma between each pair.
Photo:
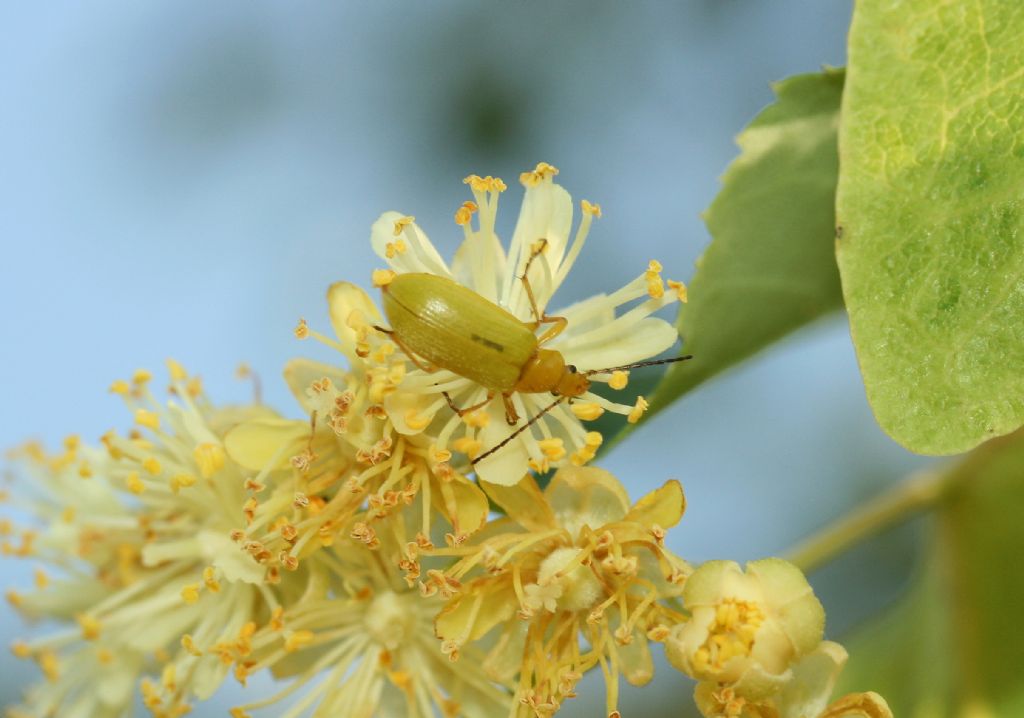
[(911, 496)]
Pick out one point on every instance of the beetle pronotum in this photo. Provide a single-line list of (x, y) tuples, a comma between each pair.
[(440, 324)]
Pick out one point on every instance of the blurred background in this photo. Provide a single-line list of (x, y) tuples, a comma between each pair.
[(185, 179)]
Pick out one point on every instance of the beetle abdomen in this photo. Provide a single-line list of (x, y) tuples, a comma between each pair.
[(455, 328)]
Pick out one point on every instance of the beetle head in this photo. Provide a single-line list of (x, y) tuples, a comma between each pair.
[(572, 382)]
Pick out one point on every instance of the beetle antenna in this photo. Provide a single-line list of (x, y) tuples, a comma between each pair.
[(520, 430), (637, 365)]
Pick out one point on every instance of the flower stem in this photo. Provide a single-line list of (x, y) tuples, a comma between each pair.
[(914, 494)]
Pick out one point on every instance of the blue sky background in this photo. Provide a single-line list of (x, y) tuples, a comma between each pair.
[(185, 179)]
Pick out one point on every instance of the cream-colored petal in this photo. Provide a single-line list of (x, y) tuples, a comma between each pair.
[(859, 705), (509, 464), (505, 659), (705, 586), (546, 213), (814, 679), (479, 264), (662, 507), (686, 638), (586, 496), (758, 684), (635, 660), (419, 255), (791, 600), (598, 349), (524, 503), (462, 502), (269, 443), (300, 373), (587, 314), (412, 413), (350, 306), (486, 602), (228, 557)]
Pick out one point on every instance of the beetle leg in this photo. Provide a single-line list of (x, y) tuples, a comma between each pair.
[(559, 323), (420, 364), (468, 409), (511, 415)]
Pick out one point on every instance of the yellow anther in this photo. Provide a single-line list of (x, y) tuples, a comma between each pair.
[(72, 442), (416, 421), (469, 447), (168, 677), (301, 329), (464, 214), (68, 514), (382, 277), (277, 619), (13, 597), (84, 470), (396, 373), (655, 287), (50, 666), (593, 439), (485, 184), (41, 579), (190, 646), (587, 410), (20, 649), (288, 531), (540, 173), (190, 594), (194, 387), (210, 580), (619, 379), (176, 370), (394, 248), (679, 288), (442, 455), (152, 466), (149, 419), (638, 410), (654, 266), (105, 656), (243, 371), (477, 419), (90, 626), (554, 449), (135, 484), (401, 223), (182, 481), (298, 640), (210, 458), (141, 377), (591, 208)]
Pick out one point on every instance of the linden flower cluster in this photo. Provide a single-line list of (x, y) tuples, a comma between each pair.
[(366, 560)]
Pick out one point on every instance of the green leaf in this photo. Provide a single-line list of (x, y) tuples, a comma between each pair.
[(954, 646), (770, 267), (931, 209)]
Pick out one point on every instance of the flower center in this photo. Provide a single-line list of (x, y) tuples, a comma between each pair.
[(580, 588), (731, 633), (389, 620)]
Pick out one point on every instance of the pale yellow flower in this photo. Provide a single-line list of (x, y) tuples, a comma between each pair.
[(594, 337), (347, 463), (574, 578), (138, 534), (748, 629), (359, 642), (805, 695)]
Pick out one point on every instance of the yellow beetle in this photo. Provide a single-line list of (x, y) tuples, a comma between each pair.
[(440, 324)]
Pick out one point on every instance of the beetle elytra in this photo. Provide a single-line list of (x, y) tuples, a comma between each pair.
[(440, 324)]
